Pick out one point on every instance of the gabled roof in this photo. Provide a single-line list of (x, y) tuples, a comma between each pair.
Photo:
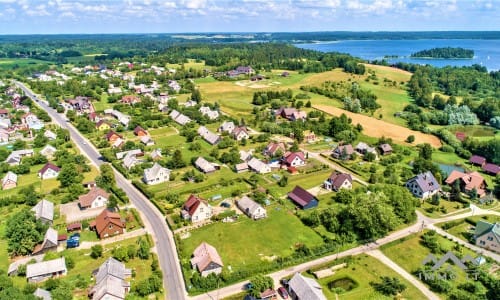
[(111, 133), (301, 196), (41, 293), (337, 179), (44, 209), (239, 130), (50, 239), (205, 254), (152, 173), (112, 267), (291, 156), (491, 168), (192, 204), (471, 180), (247, 205), (10, 176), (46, 267), (273, 147), (204, 165), (385, 148), (48, 166), (478, 160), (47, 150), (101, 122), (483, 227), (106, 217), (227, 126), (256, 164), (426, 182), (87, 199), (344, 148), (139, 129), (306, 288)]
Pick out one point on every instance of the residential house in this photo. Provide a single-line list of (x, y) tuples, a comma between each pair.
[(44, 211), (131, 158), (227, 126), (343, 152), (134, 152), (42, 294), (179, 118), (309, 136), (274, 149), (49, 171), (251, 208), (246, 155), (208, 136), (487, 235), (244, 70), (174, 85), (240, 168), (139, 131), (48, 151), (5, 124), (110, 281), (31, 121), (81, 105), (209, 113), (423, 186), (16, 156), (118, 143), (385, 149), (107, 224), (121, 117), (477, 160), (303, 198), (460, 136), (305, 288), (205, 166), (112, 136), (49, 242), (468, 182), (102, 125), (291, 114), (206, 260), (147, 140), (114, 90), (258, 166), (294, 159), (190, 103), (363, 148), (9, 181), (156, 154), (491, 169), (156, 174), (41, 271), (240, 133), (337, 181), (50, 135), (196, 209), (130, 100), (96, 197)]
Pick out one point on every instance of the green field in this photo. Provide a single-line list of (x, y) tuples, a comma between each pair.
[(465, 230), (10, 63), (363, 270), (247, 243)]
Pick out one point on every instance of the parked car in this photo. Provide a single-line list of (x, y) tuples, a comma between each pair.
[(73, 241), (225, 204), (283, 293)]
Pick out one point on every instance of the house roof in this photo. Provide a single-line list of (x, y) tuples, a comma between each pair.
[(273, 147), (46, 267), (306, 288), (50, 238), (476, 159), (41, 293), (240, 129), (241, 167), (385, 148), (87, 199), (139, 129), (301, 196), (247, 205), (110, 286), (347, 148), (192, 204), (48, 150), (10, 176), (426, 182), (460, 136), (111, 133), (112, 267), (152, 173), (471, 180), (204, 165), (74, 226), (483, 227), (146, 140), (44, 209), (256, 164), (337, 179), (209, 136), (101, 122), (291, 156), (491, 168), (134, 152), (106, 217), (205, 254), (48, 166), (227, 126)]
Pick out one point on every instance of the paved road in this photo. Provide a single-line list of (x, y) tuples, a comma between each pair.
[(154, 222)]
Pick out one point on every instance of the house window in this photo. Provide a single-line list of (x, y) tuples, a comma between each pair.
[(482, 243), (110, 226), (490, 238)]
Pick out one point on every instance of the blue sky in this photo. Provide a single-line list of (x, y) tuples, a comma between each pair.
[(154, 16)]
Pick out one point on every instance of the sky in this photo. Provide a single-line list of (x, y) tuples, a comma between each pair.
[(174, 16)]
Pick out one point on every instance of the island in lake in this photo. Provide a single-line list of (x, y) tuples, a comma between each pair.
[(446, 53)]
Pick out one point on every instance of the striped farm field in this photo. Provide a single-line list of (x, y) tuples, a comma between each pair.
[(378, 128)]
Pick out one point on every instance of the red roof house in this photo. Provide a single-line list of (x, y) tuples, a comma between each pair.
[(303, 198)]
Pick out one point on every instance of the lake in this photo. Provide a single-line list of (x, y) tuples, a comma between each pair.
[(486, 52)]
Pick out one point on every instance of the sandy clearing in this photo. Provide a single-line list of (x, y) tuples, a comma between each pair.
[(378, 128)]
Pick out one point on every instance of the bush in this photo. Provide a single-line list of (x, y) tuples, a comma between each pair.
[(96, 251)]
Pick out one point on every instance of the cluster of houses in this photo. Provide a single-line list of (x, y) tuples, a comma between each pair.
[(346, 151), (488, 168)]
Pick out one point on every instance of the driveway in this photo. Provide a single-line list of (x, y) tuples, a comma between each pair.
[(73, 213)]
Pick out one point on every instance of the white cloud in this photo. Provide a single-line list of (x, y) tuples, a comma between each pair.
[(39, 10), (194, 4)]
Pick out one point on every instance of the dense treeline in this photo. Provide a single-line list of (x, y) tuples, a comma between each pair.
[(446, 52)]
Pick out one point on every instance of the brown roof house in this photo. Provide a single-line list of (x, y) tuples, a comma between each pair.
[(468, 182), (385, 149), (337, 181), (110, 283), (49, 171), (108, 224), (49, 242), (44, 211), (291, 114), (294, 159), (9, 181), (487, 235), (275, 149), (303, 198), (240, 133), (343, 152), (112, 136), (44, 270), (139, 131), (206, 260), (95, 198), (196, 209), (477, 160)]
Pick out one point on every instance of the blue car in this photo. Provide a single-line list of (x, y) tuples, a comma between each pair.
[(73, 241)]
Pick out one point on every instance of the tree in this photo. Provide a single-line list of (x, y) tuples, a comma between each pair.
[(23, 232), (69, 174), (112, 201), (177, 161), (410, 139), (196, 95), (260, 283), (425, 151), (283, 181), (295, 147), (107, 178), (455, 193), (96, 251), (120, 253), (143, 251), (390, 286)]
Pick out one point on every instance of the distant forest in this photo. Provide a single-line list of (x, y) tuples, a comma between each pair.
[(446, 52)]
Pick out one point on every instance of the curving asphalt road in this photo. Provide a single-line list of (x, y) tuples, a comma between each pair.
[(173, 280)]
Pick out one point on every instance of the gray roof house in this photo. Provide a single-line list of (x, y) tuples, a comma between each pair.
[(204, 165), (49, 242), (44, 210), (15, 157), (304, 288), (48, 151), (208, 136), (251, 208), (9, 181), (50, 135), (227, 127), (423, 186), (46, 269), (110, 281), (121, 155), (487, 235), (41, 293), (156, 174)]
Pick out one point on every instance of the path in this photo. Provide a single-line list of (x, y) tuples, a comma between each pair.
[(417, 283), (114, 239)]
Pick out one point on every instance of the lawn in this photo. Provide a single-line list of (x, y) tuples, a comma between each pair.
[(9, 63), (464, 230), (247, 243), (363, 270), (445, 207)]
